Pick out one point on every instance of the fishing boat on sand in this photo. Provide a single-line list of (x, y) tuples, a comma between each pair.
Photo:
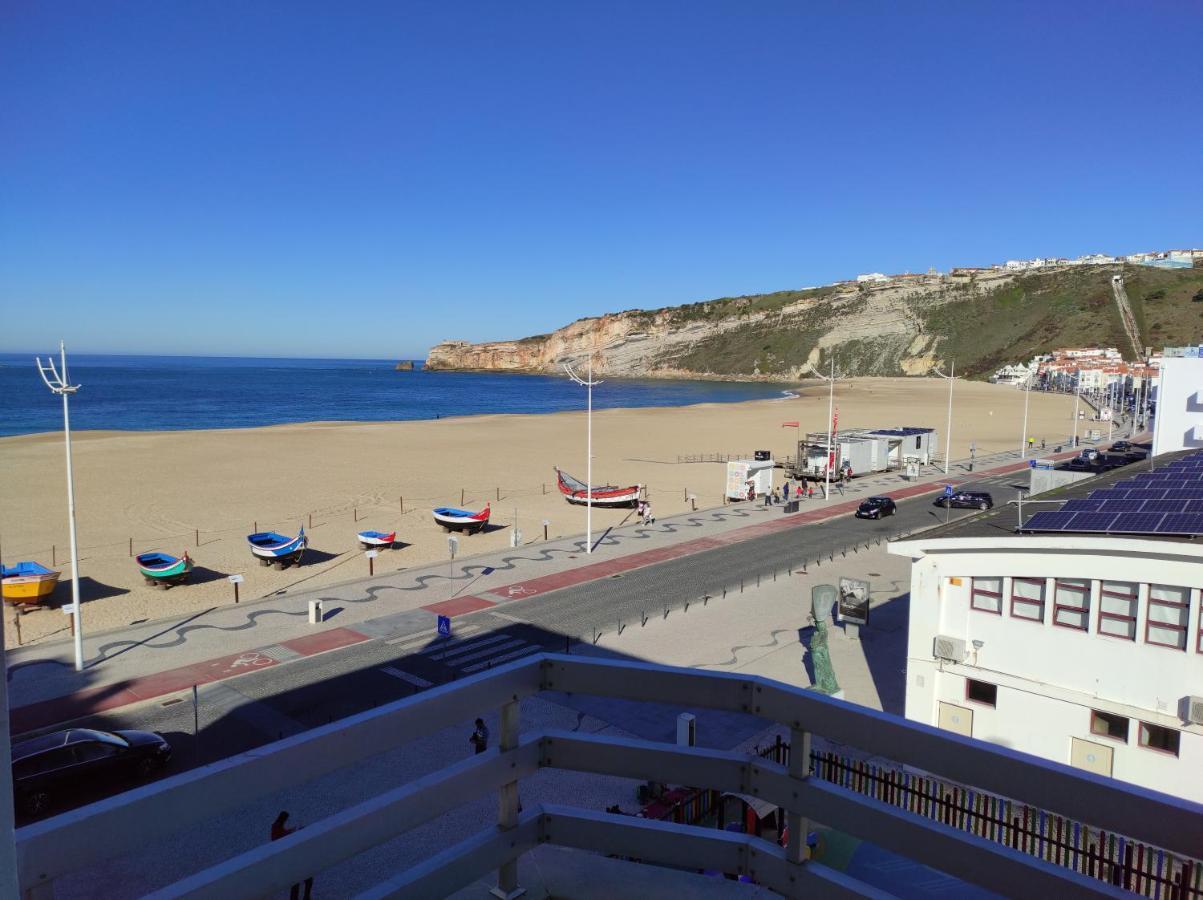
[(609, 495), (279, 550), (27, 582), (370, 539), (163, 569), (461, 519)]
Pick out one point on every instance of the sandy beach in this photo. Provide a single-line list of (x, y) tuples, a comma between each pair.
[(204, 491)]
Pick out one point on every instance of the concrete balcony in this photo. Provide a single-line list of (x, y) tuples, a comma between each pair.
[(76, 840)]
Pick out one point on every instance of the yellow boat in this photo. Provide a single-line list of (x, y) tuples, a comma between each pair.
[(27, 582)]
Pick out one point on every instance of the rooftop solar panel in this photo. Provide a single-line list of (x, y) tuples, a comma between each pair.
[(1182, 523), (1108, 494), (1048, 521), (1193, 506), (1085, 504), (1164, 506), (1137, 523), (1119, 506), (1091, 521), (1146, 494)]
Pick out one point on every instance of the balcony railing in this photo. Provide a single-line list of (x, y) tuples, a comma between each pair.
[(141, 817)]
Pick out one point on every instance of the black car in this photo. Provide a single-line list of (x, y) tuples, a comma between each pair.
[(57, 766), (876, 508), (966, 500), (1121, 446)]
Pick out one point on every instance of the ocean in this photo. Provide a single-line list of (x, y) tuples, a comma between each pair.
[(167, 393)]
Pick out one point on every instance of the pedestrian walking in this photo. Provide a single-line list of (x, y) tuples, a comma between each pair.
[(280, 829), (1042, 443), (639, 511), (480, 737), (648, 518), (810, 491)]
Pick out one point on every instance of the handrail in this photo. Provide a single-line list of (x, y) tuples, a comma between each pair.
[(131, 820)]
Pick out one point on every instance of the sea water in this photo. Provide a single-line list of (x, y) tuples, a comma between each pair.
[(150, 393)]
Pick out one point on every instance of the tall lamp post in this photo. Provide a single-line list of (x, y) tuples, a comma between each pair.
[(59, 383), (1077, 397), (1023, 438), (948, 435), (831, 380), (588, 383)]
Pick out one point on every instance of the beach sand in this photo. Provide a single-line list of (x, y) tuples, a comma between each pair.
[(159, 488)]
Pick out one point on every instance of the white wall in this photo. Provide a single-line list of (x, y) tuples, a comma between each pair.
[(1179, 421), (1052, 675)]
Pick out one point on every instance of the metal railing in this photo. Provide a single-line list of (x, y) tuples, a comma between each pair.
[(143, 816)]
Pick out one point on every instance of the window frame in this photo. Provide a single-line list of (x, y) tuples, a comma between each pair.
[(1184, 629), (1083, 611), (1140, 739), (1043, 601), (971, 699), (1110, 616), (1098, 713), (974, 591)]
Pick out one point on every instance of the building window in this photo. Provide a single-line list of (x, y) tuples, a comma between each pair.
[(981, 692), (1027, 598), (986, 595), (1108, 725), (1071, 603), (1154, 737), (1117, 609), (1168, 611)]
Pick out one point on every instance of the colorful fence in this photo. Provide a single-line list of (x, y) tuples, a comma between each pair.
[(1148, 871)]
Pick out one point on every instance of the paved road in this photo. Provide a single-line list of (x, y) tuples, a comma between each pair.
[(260, 707)]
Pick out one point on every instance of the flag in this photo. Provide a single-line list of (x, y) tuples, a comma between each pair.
[(789, 424)]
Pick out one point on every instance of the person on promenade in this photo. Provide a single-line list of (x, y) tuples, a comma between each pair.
[(480, 737), (648, 518), (768, 498), (810, 491), (751, 491), (1042, 443), (280, 829), (639, 511)]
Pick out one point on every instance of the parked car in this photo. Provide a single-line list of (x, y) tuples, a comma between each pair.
[(876, 508), (57, 766), (966, 500), (1121, 446)]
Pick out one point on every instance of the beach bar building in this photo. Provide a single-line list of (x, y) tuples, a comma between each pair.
[(865, 450)]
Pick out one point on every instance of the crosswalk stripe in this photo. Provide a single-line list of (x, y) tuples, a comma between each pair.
[(488, 651), (405, 676), (467, 645), (408, 641), (505, 657)]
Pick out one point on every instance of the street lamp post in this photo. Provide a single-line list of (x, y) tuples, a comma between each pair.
[(1077, 397), (588, 383), (948, 435), (1023, 438), (830, 379), (59, 383)]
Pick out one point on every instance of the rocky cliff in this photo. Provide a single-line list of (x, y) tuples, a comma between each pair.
[(899, 327)]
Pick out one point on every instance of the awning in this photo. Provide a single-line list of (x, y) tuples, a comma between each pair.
[(762, 808)]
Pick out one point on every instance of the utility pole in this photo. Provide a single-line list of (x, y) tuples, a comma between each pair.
[(830, 379), (1023, 438), (588, 383), (1077, 397), (60, 384), (948, 436)]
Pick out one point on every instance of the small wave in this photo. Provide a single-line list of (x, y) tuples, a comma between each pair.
[(788, 395)]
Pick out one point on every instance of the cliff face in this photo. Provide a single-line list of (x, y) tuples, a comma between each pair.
[(900, 327)]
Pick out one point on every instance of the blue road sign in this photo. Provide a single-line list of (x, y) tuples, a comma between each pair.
[(948, 490), (445, 626)]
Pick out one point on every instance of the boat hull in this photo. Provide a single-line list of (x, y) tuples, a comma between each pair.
[(628, 497), (160, 569), (461, 520), (370, 539), (274, 549), (29, 589)]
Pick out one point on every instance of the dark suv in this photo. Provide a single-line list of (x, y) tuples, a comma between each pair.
[(875, 508), (967, 500), (81, 761)]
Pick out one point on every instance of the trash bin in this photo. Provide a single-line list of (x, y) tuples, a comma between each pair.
[(315, 612)]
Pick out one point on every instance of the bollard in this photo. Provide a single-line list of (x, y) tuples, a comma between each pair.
[(256, 528), (355, 513), (498, 490), (54, 560), (311, 521), (461, 496), (401, 500), (198, 537), (131, 546)]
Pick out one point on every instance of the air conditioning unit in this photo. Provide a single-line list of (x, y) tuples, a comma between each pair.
[(948, 648), (1192, 710)]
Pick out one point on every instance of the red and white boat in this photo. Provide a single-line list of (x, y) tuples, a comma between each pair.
[(575, 491), (453, 519)]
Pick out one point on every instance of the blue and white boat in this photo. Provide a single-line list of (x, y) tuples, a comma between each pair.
[(452, 519), (370, 539), (277, 549)]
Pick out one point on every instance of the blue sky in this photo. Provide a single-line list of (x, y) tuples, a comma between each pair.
[(366, 179)]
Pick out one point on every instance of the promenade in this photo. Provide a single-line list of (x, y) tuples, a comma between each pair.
[(153, 660)]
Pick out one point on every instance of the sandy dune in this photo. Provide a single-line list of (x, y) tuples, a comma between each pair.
[(161, 488)]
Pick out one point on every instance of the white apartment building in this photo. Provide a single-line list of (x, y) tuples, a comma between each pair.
[(1079, 649), (1179, 421)]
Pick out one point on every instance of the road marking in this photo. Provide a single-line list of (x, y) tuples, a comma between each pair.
[(505, 657), (430, 635), (405, 676), (488, 651), (469, 645)]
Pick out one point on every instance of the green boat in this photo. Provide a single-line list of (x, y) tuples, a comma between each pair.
[(161, 569)]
